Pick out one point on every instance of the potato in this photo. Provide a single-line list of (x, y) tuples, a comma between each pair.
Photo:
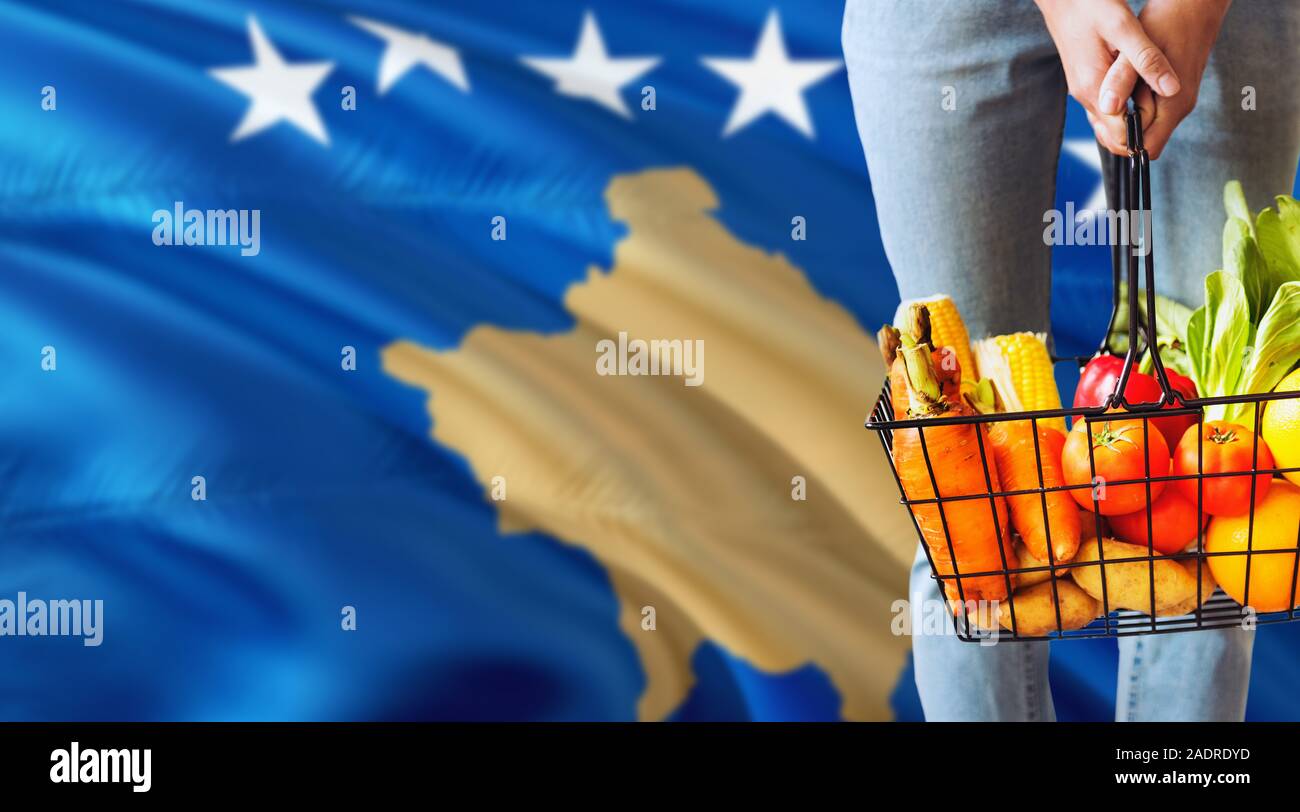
[(1207, 589), (1036, 610), (1027, 560), (1128, 585), (984, 616)]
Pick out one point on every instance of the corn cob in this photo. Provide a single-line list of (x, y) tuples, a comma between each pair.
[(946, 330), (1021, 369)]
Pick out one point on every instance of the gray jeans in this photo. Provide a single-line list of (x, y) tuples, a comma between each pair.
[(960, 195)]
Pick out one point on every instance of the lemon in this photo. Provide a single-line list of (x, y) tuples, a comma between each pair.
[(1280, 426)]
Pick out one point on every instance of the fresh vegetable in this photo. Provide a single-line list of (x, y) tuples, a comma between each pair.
[(1021, 368), (977, 528), (1036, 610), (1207, 588), (1173, 428), (1246, 337), (1219, 339), (1052, 444), (1276, 520), (1026, 560), (1101, 375), (1173, 520), (1019, 465), (1128, 582), (1122, 450), (1171, 328), (1280, 427), (891, 339), (1278, 234), (947, 330), (1029, 562), (1223, 448)]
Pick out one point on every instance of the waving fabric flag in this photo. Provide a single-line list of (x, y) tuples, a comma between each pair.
[(314, 319)]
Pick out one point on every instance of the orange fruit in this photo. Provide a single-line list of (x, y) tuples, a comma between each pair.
[(1280, 426), (1277, 518)]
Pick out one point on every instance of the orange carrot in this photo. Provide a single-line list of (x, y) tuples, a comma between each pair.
[(950, 384), (1013, 446), (972, 525), (949, 373)]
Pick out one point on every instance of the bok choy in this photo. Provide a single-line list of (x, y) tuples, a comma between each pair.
[(1246, 336)]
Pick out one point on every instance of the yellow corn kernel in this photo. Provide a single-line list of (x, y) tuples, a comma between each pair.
[(1021, 369), (948, 330)]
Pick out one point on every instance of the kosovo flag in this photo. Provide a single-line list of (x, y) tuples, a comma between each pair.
[(303, 311)]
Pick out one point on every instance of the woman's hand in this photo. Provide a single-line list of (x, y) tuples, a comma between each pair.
[(1186, 31), (1089, 36)]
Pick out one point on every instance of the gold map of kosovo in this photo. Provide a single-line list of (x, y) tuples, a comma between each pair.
[(684, 493)]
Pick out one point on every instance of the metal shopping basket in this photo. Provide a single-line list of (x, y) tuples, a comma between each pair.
[(1131, 188)]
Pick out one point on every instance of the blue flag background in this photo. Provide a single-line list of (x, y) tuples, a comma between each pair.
[(324, 486)]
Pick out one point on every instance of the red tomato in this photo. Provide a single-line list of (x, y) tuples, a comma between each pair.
[(1122, 450), (1173, 519), (1100, 376), (1225, 447), (1173, 428)]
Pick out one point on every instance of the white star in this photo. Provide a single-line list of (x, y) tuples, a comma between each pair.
[(1085, 151), (771, 81), (279, 91), (405, 50), (590, 73)]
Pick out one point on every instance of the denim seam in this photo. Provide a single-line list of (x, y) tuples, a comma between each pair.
[(1133, 679), (1031, 684)]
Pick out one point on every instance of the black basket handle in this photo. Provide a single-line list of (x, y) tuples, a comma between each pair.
[(1131, 181)]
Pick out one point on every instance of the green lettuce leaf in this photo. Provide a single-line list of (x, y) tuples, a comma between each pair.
[(1171, 329), (1195, 343), (1278, 234), (1171, 316), (1277, 349), (1228, 338), (1242, 259), (1234, 203)]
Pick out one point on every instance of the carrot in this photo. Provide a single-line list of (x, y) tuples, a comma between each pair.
[(950, 386), (977, 528), (891, 340), (1013, 446), (1018, 465)]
